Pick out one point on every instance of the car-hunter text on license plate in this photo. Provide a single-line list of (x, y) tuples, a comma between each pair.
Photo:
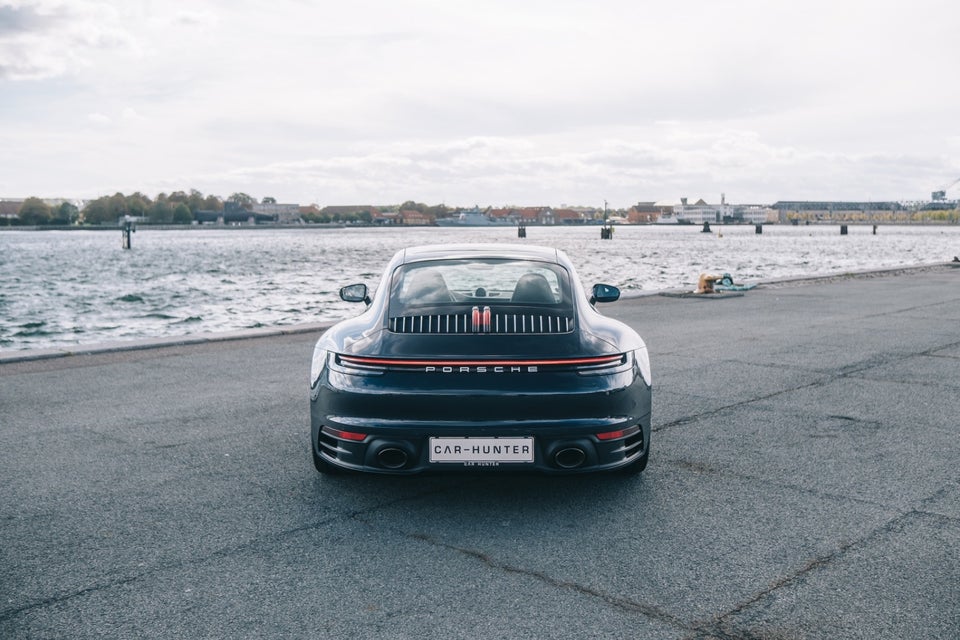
[(481, 450)]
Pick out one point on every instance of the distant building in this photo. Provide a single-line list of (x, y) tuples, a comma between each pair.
[(233, 213), (568, 216), (536, 215), (645, 213), (352, 213), (10, 208), (701, 212), (412, 217), (833, 210), (506, 214), (310, 210), (280, 213)]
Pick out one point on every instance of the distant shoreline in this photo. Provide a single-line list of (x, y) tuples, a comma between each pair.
[(332, 226)]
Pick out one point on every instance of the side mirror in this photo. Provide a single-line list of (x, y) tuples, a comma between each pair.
[(604, 293), (355, 293)]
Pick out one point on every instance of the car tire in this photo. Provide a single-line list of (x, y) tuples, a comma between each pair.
[(637, 465), (322, 465)]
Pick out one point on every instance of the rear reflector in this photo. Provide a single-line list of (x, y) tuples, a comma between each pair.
[(344, 435), (621, 433)]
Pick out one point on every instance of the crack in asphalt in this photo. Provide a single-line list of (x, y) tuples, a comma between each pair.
[(720, 626), (40, 604), (626, 604), (216, 554), (849, 371), (702, 468), (712, 412)]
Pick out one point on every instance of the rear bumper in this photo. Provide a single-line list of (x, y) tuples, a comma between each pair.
[(389, 431), (557, 448), (384, 423)]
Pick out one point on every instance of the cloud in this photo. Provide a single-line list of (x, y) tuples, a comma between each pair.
[(492, 101), (188, 18), (47, 38), (129, 114), (99, 119)]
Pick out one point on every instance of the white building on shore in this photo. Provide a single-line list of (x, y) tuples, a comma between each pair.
[(700, 212)]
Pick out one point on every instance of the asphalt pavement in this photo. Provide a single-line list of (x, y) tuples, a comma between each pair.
[(804, 482)]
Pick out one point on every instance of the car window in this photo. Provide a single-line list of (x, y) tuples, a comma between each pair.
[(478, 282)]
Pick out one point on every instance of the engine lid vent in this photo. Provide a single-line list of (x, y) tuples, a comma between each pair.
[(483, 321)]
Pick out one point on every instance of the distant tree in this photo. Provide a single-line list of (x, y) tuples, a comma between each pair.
[(410, 205), (66, 213), (316, 217), (160, 212), (118, 207), (195, 201), (34, 211), (138, 205), (268, 200), (213, 203), (437, 211), (243, 200), (182, 215), (97, 211), (178, 196)]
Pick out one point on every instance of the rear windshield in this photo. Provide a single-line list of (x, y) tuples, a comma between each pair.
[(490, 282)]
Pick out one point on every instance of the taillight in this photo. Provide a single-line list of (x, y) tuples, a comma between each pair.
[(344, 435), (620, 433)]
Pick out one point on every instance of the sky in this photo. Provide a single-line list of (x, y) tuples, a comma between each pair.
[(486, 102)]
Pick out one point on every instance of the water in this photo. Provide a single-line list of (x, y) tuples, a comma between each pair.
[(60, 288)]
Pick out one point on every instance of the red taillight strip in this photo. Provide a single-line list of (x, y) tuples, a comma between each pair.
[(621, 433), (345, 435), (480, 363)]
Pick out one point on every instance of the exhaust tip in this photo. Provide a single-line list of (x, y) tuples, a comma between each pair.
[(569, 457), (392, 458)]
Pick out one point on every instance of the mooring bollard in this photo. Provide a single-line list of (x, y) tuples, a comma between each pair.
[(758, 229), (843, 229), (521, 231), (874, 229), (127, 229), (706, 228), (606, 232)]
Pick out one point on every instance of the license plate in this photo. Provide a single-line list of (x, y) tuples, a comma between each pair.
[(481, 450)]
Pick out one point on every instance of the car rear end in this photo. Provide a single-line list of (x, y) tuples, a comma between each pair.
[(482, 374)]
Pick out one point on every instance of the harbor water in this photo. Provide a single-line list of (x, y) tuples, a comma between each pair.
[(60, 288)]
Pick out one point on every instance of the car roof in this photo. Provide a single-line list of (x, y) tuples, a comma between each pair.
[(459, 251)]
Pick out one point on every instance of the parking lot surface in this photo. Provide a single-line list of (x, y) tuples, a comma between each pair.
[(803, 483)]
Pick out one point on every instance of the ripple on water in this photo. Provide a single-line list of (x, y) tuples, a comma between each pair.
[(180, 282)]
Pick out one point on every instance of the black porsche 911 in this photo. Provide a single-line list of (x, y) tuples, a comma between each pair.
[(477, 356)]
